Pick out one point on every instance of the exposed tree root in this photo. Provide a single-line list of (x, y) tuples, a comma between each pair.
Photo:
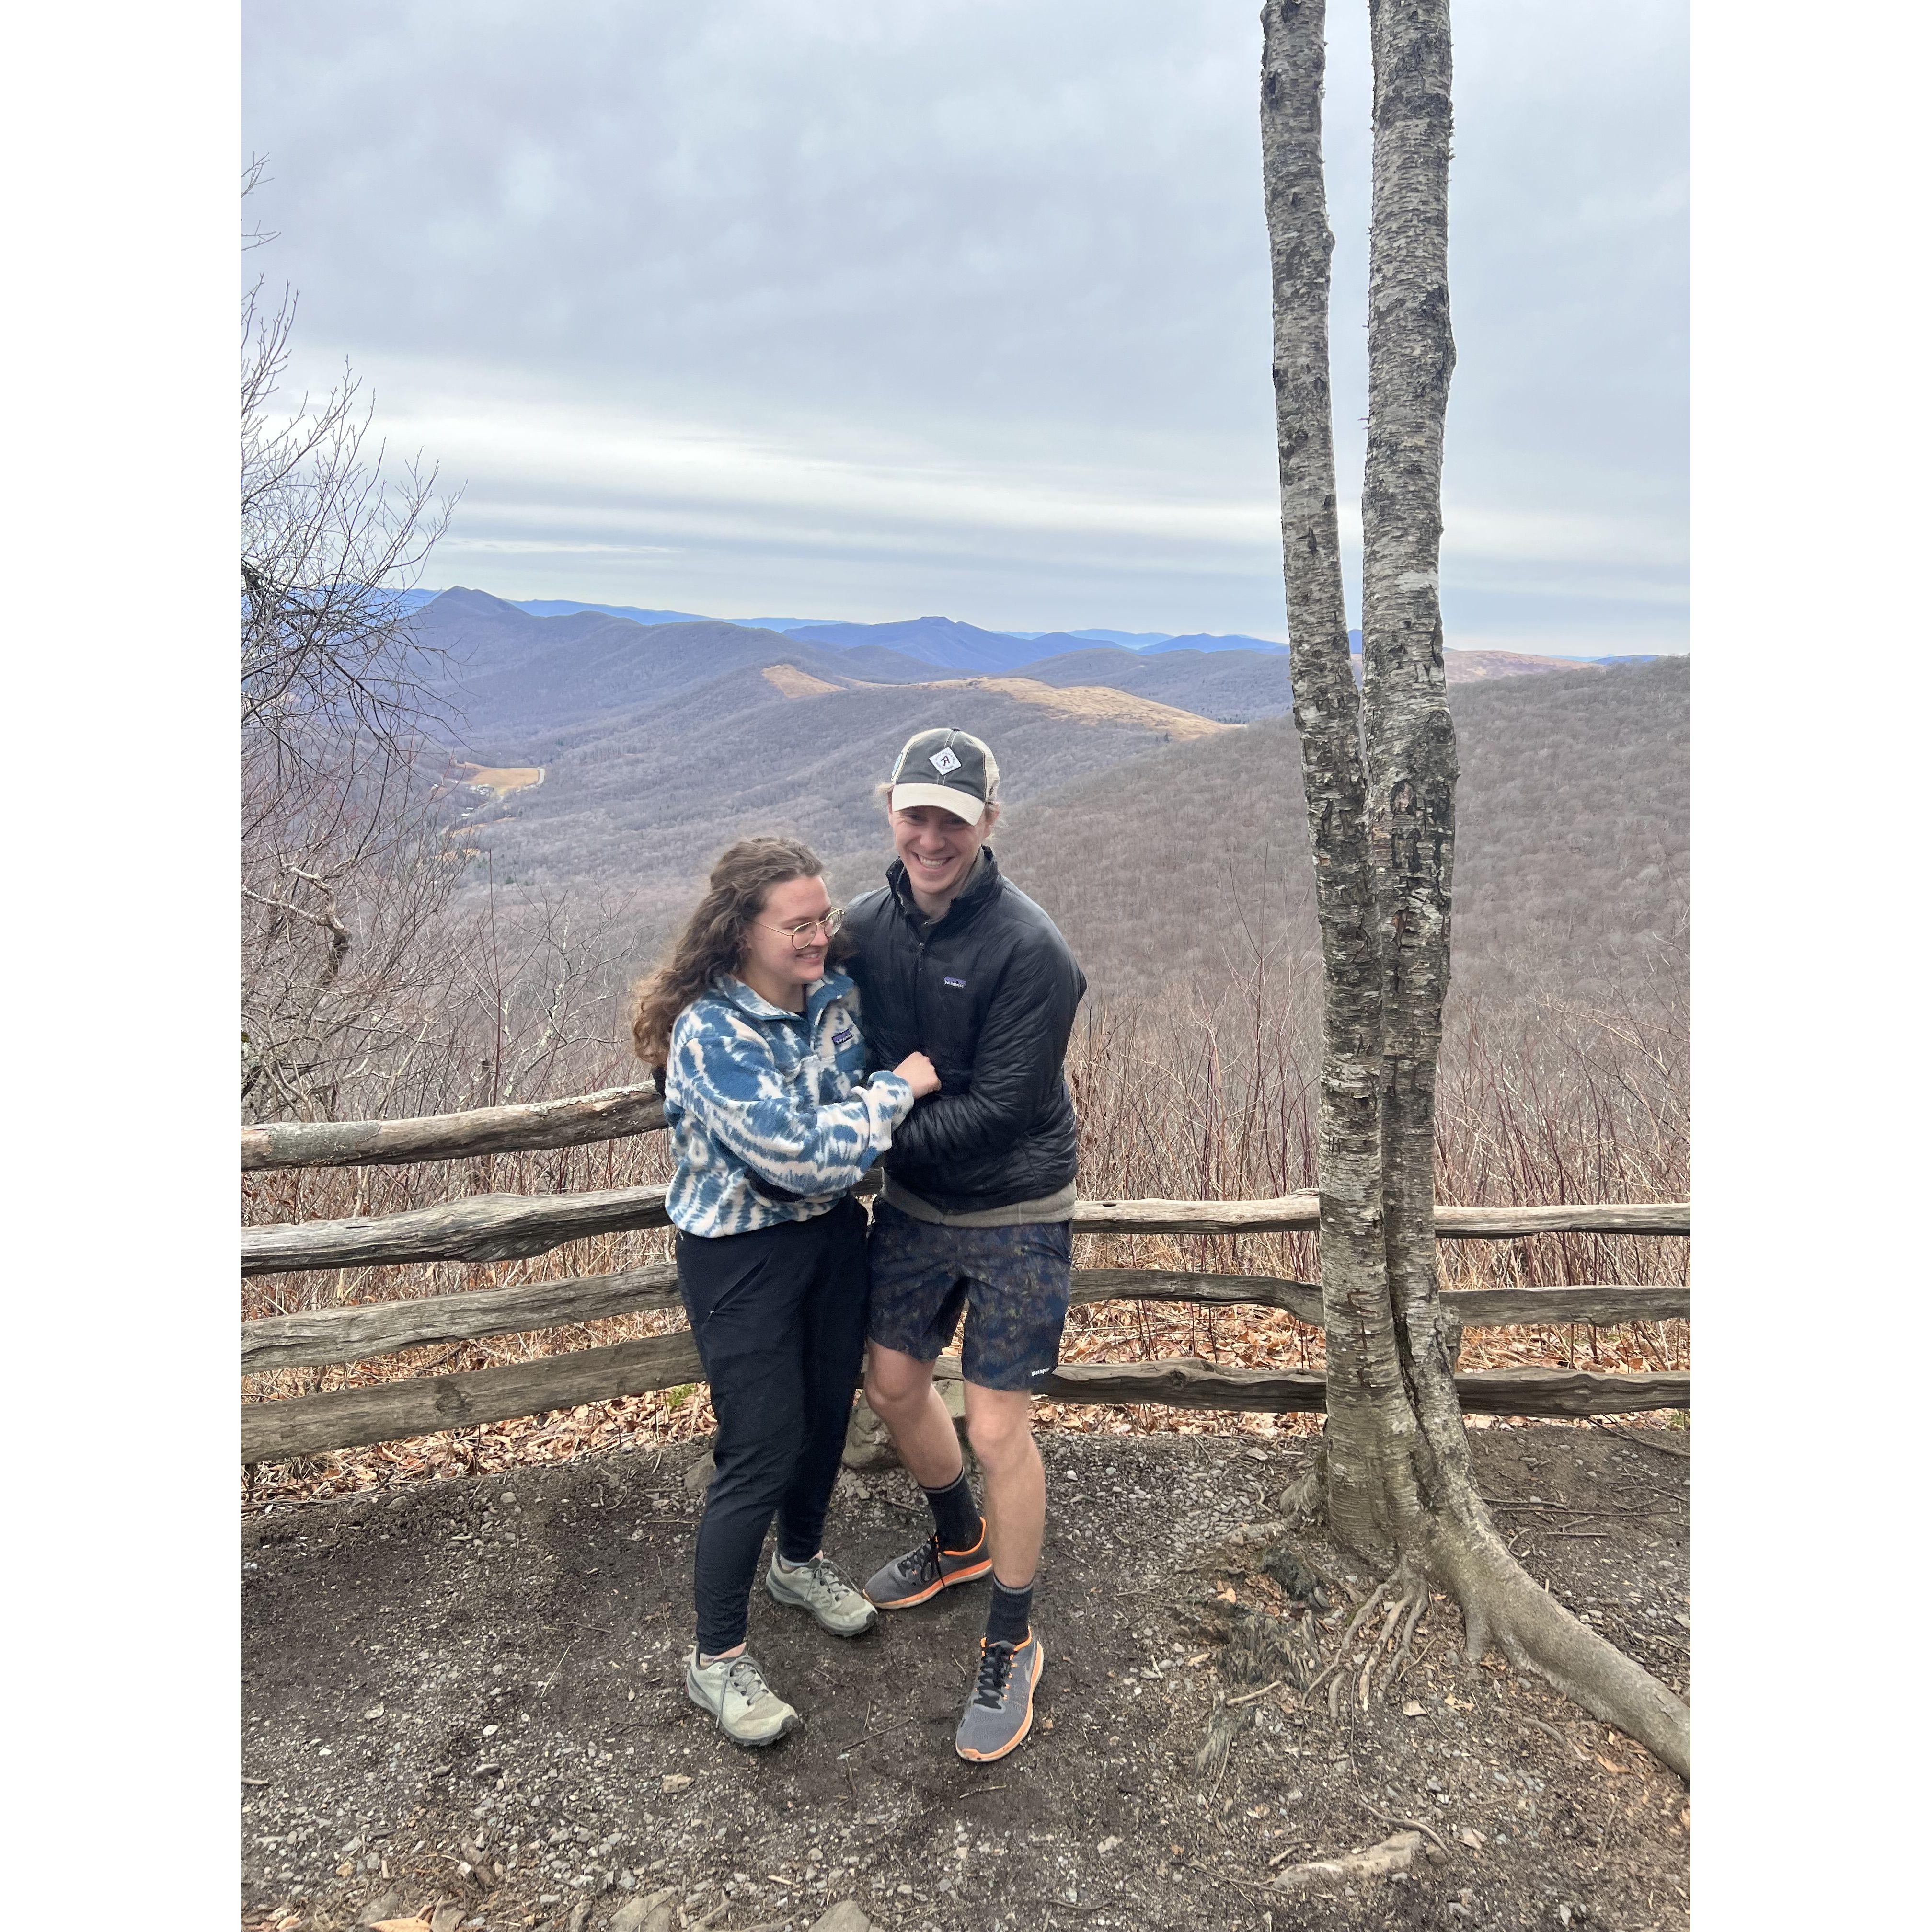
[(1503, 1605), (1402, 1597), (1395, 1854), (1398, 1662)]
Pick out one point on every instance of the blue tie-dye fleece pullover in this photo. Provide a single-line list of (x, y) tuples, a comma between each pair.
[(768, 1121)]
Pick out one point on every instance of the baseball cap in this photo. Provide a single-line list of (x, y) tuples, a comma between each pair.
[(952, 769)]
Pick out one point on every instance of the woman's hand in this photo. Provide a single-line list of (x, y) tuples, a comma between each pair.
[(919, 1073)]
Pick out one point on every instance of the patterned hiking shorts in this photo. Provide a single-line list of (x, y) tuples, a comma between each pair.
[(1014, 1284)]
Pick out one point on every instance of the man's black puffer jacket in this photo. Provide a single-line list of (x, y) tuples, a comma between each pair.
[(988, 995)]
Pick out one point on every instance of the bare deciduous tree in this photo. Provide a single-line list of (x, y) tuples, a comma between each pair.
[(327, 542), (344, 867), (1379, 771)]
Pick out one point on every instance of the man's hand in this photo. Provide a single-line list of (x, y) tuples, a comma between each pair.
[(920, 1073)]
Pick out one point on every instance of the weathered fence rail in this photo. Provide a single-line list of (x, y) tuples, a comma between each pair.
[(311, 1425), (316, 1338), (510, 1227), (614, 1114), (501, 1227), (1198, 1384)]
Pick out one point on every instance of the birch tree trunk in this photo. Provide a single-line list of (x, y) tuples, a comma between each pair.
[(1379, 771), (1411, 742), (1373, 1414)]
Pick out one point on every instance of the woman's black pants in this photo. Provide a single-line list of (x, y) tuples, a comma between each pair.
[(779, 1318)]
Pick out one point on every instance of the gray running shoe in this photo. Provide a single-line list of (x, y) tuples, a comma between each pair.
[(999, 1714), (817, 1587), (925, 1571), (734, 1691)]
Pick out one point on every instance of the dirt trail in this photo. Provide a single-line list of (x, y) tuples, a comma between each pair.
[(468, 1692)]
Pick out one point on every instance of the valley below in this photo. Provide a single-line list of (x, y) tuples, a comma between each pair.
[(615, 760)]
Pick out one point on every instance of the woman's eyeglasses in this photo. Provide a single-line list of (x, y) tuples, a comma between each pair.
[(804, 933)]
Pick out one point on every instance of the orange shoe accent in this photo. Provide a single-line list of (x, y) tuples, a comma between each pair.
[(932, 1590), (1020, 1735), (970, 1573)]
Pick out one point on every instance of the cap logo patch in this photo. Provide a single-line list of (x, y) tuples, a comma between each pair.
[(943, 761)]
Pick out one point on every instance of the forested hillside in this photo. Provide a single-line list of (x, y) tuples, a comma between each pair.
[(644, 799), (1173, 852), (1190, 864), (659, 745)]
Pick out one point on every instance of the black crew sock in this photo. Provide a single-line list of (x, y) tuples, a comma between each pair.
[(954, 1516), (1009, 1615)]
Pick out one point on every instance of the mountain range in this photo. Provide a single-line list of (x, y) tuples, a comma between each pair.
[(597, 754), (932, 633), (513, 676)]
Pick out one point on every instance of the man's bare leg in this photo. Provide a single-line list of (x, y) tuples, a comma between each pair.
[(899, 1390), (999, 1711), (999, 1425)]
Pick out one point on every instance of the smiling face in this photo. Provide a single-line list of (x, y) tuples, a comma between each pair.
[(938, 848), (770, 965)]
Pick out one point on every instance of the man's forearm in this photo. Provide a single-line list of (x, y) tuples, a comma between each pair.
[(944, 1127)]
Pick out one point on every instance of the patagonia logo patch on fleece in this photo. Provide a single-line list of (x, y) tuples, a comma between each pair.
[(956, 982)]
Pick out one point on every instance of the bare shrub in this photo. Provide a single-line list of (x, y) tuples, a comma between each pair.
[(1542, 1098)]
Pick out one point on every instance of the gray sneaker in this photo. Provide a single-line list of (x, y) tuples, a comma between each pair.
[(817, 1587), (924, 1571), (999, 1714), (734, 1691)]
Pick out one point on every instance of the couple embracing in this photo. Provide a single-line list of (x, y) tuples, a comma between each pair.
[(924, 1029)]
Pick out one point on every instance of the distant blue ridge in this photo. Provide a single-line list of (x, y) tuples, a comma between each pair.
[(937, 640), (408, 601), (1128, 641), (563, 607)]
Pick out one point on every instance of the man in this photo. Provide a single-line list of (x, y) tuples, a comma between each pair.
[(954, 961)]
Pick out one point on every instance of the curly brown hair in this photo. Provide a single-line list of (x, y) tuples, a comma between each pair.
[(713, 939)]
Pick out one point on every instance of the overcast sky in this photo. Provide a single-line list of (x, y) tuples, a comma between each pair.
[(873, 308)]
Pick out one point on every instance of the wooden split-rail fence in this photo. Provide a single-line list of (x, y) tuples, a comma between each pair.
[(503, 1227)]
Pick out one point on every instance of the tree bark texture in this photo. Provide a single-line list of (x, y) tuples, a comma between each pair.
[(613, 1114), (1370, 1421), (1379, 772), (1410, 740)]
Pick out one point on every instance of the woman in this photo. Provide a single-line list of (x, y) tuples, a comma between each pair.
[(754, 1038)]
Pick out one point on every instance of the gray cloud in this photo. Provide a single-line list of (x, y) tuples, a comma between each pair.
[(861, 309)]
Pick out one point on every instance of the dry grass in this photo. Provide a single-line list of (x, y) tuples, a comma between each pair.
[(1543, 1104), (1092, 704), (796, 683), (1088, 703), (502, 780)]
